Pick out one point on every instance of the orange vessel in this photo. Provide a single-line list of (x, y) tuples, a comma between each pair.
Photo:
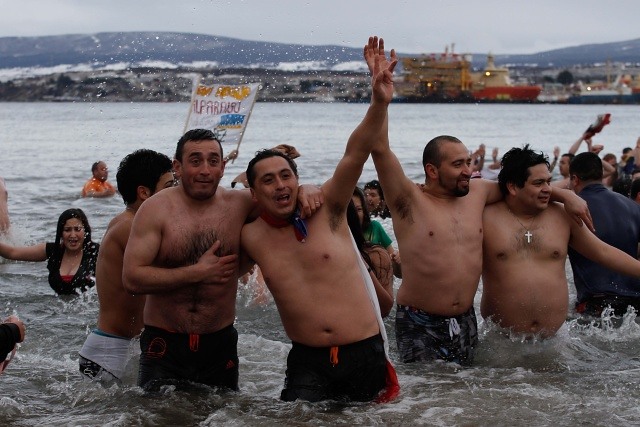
[(448, 77), (494, 84)]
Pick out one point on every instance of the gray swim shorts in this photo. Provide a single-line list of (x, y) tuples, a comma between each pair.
[(422, 336)]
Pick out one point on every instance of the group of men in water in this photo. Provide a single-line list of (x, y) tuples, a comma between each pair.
[(169, 264)]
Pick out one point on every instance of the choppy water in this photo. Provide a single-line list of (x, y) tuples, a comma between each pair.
[(586, 375)]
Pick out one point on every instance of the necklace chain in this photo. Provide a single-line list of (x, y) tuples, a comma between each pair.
[(528, 234)]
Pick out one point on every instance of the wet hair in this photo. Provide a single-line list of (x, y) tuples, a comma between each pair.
[(622, 186), (265, 154), (142, 167), (432, 153), (586, 166), (375, 185), (196, 135), (356, 231), (635, 188), (94, 167), (74, 213), (515, 166), (366, 218)]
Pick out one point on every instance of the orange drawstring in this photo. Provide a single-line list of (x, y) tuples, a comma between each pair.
[(333, 355), (194, 342)]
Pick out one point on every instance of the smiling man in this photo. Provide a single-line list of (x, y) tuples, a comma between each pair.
[(311, 267), (182, 253), (526, 238)]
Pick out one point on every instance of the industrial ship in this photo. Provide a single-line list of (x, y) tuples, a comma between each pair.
[(448, 77)]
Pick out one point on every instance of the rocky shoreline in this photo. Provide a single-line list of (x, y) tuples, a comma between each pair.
[(175, 85), (162, 85)]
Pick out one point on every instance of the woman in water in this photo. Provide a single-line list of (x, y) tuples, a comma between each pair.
[(71, 258), (375, 199), (377, 260)]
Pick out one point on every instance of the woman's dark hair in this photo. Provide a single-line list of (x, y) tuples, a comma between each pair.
[(366, 218), (381, 212), (356, 231), (375, 185), (74, 213)]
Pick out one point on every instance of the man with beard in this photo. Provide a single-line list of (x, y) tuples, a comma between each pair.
[(439, 231), (439, 225), (182, 253)]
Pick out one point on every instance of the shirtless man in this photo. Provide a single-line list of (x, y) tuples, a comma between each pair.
[(182, 253), (525, 250), (439, 231), (107, 349), (338, 350)]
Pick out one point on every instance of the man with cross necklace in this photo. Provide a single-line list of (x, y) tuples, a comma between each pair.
[(526, 239)]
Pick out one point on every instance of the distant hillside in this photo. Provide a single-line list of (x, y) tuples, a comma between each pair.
[(103, 49)]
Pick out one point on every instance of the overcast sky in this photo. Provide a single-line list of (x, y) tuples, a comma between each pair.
[(410, 26)]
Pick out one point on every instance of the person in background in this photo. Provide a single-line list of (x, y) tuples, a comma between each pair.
[(525, 249), (617, 222), (622, 186), (491, 171), (556, 154), (378, 260), (71, 258), (634, 193), (477, 161), (5, 223), (608, 181), (373, 231), (108, 347), (375, 199), (12, 332), (563, 169), (97, 185)]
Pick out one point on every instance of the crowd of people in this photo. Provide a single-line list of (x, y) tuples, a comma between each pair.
[(172, 279)]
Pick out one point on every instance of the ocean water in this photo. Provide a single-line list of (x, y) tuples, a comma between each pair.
[(586, 375)]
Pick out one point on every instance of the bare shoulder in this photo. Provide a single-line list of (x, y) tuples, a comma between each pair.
[(242, 202), (119, 229), (484, 190)]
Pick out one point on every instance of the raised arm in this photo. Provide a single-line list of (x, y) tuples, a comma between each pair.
[(371, 131), (394, 182), (574, 147), (556, 155)]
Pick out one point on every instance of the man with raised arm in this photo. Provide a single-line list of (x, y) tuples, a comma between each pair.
[(313, 269), (107, 349), (439, 231), (182, 253)]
